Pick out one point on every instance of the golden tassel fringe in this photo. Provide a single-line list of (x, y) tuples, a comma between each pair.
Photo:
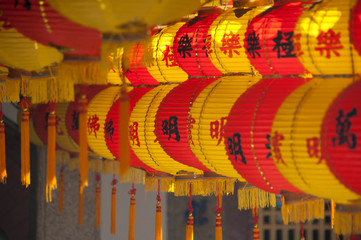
[(97, 206), (311, 209), (10, 90), (51, 163), (182, 187), (113, 211), (158, 222), (249, 198), (83, 72), (61, 192), (25, 149), (83, 118), (211, 186), (189, 228), (166, 184), (347, 223), (3, 174)]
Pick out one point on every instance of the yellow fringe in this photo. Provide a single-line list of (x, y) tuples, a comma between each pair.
[(3, 174), (10, 90), (249, 198), (182, 187), (347, 223), (51, 163), (38, 90), (166, 184), (25, 149), (62, 157), (211, 186), (303, 210), (82, 72)]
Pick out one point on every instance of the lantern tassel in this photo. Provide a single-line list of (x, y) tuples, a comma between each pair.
[(81, 204), (51, 164), (189, 228), (255, 223), (333, 208), (123, 132), (61, 190), (3, 173), (132, 192), (83, 144), (218, 211), (25, 143), (158, 217), (97, 202), (113, 207)]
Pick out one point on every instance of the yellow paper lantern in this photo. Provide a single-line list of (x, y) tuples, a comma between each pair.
[(295, 139), (210, 111), (164, 67), (324, 39), (18, 51), (227, 35)]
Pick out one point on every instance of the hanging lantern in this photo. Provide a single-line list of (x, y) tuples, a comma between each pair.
[(269, 40), (340, 137), (295, 139), (17, 51), (248, 129), (115, 70), (355, 26), (227, 51), (164, 67), (210, 113), (191, 45), (40, 22), (324, 39)]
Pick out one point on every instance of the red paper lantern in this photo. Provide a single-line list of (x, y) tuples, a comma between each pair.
[(39, 21), (191, 44), (341, 137), (173, 121), (111, 128), (248, 129), (269, 40), (355, 26)]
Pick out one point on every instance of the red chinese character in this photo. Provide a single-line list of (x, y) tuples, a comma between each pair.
[(297, 44), (313, 145), (190, 122), (169, 57), (133, 134), (330, 42), (230, 42), (217, 129), (207, 44), (93, 125), (4, 24), (275, 142)]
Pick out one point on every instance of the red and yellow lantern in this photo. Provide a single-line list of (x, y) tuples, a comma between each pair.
[(355, 26)]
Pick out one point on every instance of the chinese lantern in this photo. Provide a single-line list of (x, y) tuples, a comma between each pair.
[(17, 51), (209, 113), (165, 68), (340, 137), (269, 40), (248, 129), (38, 21), (325, 44), (227, 51), (295, 139), (192, 46), (355, 26)]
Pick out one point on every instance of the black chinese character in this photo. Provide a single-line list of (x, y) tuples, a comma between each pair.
[(253, 44), (268, 145), (75, 118), (235, 148), (343, 126), (109, 130), (26, 5), (284, 44), (185, 46), (170, 127)]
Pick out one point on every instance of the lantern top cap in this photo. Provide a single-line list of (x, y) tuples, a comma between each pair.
[(252, 3)]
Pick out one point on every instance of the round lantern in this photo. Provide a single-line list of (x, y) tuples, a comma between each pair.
[(295, 139), (227, 51), (40, 22), (111, 129), (143, 139), (355, 26), (323, 38), (210, 114), (341, 137), (248, 130), (165, 68), (124, 16), (17, 51), (269, 40), (192, 46)]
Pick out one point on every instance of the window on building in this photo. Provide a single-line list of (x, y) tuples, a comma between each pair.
[(327, 219), (266, 235), (315, 234), (279, 234), (266, 219), (291, 234), (327, 235)]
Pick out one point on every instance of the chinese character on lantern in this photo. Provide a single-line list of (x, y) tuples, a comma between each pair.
[(343, 126), (268, 146), (59, 131), (133, 134), (185, 47), (190, 122), (170, 127), (217, 129), (284, 44), (75, 120), (253, 44), (313, 148), (109, 130), (207, 44), (297, 44), (235, 148), (27, 4), (230, 42), (330, 42), (276, 143), (93, 125), (169, 57)]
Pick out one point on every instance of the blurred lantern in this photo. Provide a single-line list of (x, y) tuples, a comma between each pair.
[(323, 38), (124, 17), (341, 137), (248, 129), (17, 51), (115, 69), (269, 40), (164, 67), (227, 32), (40, 22), (143, 139), (192, 45), (295, 139), (210, 113), (355, 27)]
